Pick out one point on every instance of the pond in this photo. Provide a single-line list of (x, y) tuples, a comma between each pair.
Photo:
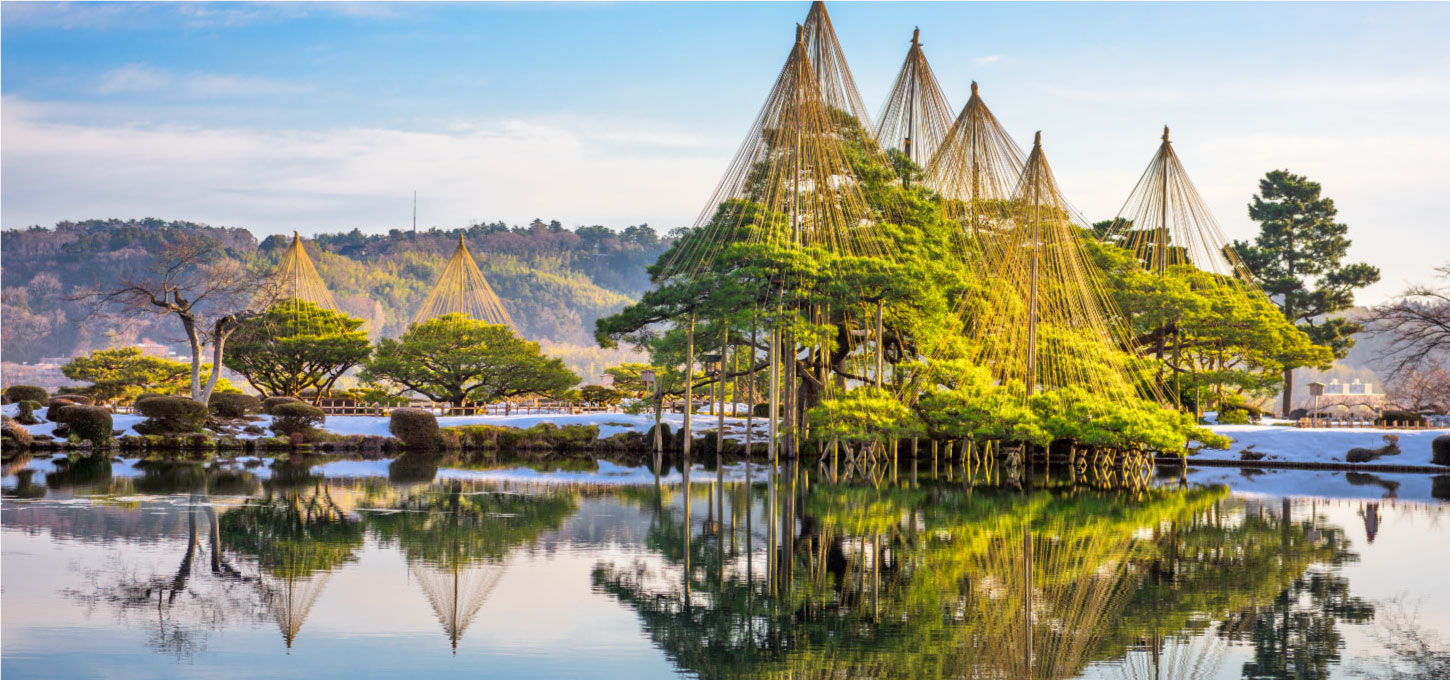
[(597, 569)]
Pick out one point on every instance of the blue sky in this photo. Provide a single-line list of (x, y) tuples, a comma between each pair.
[(327, 117)]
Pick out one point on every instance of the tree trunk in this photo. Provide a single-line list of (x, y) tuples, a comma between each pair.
[(191, 336), (219, 342), (1288, 391)]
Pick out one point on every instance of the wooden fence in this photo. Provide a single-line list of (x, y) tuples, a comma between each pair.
[(348, 407), (1367, 423)]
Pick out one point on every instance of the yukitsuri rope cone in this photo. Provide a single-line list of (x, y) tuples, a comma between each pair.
[(916, 116), (1047, 321), (462, 289), (296, 278), (833, 76), (1166, 223), (976, 168), (790, 183)]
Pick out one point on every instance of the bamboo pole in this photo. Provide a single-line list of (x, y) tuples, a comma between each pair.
[(689, 382)]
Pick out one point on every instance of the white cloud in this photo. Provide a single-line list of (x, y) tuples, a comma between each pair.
[(579, 171), (141, 78), (989, 59)]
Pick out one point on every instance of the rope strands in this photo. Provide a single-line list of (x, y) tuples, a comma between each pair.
[(1166, 223), (295, 277), (976, 168), (823, 49), (790, 184), (462, 289), (1048, 321), (457, 592), (916, 116)]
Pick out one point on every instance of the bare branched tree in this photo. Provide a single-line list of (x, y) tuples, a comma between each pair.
[(211, 295), (1424, 388), (1417, 325)]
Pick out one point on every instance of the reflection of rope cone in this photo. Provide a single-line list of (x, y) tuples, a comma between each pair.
[(296, 278), (462, 289), (290, 599), (458, 592), (1195, 657), (1044, 601)]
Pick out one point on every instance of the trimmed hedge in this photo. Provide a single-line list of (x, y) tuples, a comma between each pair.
[(19, 393), (1236, 416), (25, 412), (234, 404), (415, 427), (1399, 418), (1440, 450), (52, 409), (272, 402), (167, 415), (90, 423), (295, 417), (81, 399)]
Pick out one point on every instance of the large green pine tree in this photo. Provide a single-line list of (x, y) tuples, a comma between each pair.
[(1298, 258)]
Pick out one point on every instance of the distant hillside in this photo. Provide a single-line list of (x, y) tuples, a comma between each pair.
[(554, 281)]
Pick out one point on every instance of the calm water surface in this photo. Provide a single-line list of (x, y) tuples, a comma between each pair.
[(365, 569)]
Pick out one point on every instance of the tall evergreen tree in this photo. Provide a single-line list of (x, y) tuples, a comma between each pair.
[(1298, 259)]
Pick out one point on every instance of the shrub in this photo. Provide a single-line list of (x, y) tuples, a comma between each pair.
[(1399, 418), (165, 415), (761, 410), (82, 399), (11, 431), (599, 394), (1440, 450), (296, 418), (52, 411), (19, 393), (415, 427), (1236, 416), (270, 403), (25, 412), (90, 423), (234, 404)]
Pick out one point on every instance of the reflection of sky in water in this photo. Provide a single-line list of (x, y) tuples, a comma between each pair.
[(64, 555)]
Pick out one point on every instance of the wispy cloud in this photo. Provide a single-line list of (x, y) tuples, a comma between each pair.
[(989, 59), (582, 172), (141, 78)]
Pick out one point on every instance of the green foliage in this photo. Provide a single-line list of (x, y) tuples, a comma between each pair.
[(599, 394), (863, 414), (415, 427), (166, 415), (455, 359), (628, 380), (296, 417), (1298, 258), (19, 393), (88, 423), (453, 528), (25, 412), (1235, 416), (234, 404), (297, 346), (119, 375), (975, 408), (293, 535), (270, 403)]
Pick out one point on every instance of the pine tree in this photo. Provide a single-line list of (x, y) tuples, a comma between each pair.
[(1298, 259)]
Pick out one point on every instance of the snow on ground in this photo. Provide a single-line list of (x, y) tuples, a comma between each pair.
[(609, 424), (119, 421), (1327, 445)]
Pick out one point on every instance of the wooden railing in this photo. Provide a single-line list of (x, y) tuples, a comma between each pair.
[(1367, 423), (343, 407)]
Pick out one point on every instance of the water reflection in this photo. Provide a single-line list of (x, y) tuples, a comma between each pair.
[(920, 572)]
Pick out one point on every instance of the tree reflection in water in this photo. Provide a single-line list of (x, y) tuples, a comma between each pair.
[(934, 578)]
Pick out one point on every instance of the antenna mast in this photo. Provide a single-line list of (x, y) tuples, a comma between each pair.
[(415, 211)]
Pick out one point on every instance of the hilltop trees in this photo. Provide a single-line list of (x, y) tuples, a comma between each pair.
[(1298, 258), (455, 359)]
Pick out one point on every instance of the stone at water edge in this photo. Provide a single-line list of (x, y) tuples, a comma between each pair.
[(1440, 450)]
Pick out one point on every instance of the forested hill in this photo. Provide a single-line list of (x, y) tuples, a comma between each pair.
[(554, 281)]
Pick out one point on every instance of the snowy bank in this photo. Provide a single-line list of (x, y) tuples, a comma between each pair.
[(1327, 445)]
